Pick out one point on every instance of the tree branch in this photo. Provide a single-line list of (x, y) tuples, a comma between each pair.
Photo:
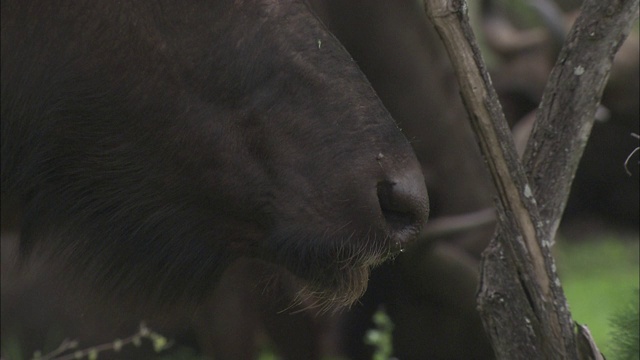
[(521, 301), (571, 97)]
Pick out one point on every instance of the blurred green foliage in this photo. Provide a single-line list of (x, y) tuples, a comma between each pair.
[(381, 337), (600, 279), (626, 331)]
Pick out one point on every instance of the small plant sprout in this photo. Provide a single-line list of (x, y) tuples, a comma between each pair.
[(68, 350)]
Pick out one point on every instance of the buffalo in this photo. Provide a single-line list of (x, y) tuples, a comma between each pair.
[(148, 146)]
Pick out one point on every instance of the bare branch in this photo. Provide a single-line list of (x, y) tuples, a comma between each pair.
[(519, 226), (454, 224), (567, 111), (523, 307)]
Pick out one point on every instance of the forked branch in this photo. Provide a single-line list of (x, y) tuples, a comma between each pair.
[(521, 301)]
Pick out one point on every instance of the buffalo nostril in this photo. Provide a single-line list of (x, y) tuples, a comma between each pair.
[(404, 206), (396, 213)]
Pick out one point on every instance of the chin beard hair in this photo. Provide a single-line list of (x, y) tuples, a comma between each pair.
[(320, 298), (338, 287), (328, 274)]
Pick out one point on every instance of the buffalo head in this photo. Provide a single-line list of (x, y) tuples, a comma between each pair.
[(151, 144)]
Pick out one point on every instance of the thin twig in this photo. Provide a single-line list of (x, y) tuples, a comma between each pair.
[(626, 161)]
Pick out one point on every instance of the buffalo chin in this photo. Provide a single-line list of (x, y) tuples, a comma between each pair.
[(330, 274), (336, 293)]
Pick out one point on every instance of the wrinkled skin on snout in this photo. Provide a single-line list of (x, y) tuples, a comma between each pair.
[(151, 145)]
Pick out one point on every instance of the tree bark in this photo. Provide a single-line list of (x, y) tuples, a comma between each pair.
[(522, 304)]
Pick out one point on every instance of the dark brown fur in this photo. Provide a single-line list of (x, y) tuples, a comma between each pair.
[(149, 145)]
